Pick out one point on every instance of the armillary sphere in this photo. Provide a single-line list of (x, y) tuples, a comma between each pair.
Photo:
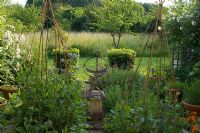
[(99, 71), (94, 74)]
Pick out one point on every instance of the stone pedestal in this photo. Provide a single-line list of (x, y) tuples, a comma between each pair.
[(95, 104)]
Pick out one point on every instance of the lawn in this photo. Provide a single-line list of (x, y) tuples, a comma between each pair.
[(142, 69), (92, 64)]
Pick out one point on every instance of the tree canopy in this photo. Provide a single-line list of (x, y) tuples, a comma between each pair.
[(116, 17), (74, 3)]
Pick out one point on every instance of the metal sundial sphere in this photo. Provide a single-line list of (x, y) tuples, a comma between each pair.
[(94, 74)]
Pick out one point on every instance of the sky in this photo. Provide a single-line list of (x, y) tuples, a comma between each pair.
[(23, 2)]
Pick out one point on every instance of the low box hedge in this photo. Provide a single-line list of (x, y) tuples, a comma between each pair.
[(121, 58), (72, 56)]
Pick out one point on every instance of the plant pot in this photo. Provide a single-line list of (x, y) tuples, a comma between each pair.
[(191, 107), (176, 95), (3, 102), (8, 90)]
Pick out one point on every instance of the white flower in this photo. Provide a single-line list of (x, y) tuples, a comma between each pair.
[(2, 19), (164, 18), (173, 18), (188, 15), (16, 37), (17, 66), (6, 47), (1, 49), (18, 51), (29, 57), (159, 28), (193, 22), (178, 19), (22, 38), (11, 26), (181, 28), (8, 37)]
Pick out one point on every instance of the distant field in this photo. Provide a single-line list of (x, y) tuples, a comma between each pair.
[(89, 42)]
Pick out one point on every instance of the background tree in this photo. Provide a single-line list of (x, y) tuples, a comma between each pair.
[(149, 15), (29, 17), (2, 19), (71, 18), (74, 3), (116, 17)]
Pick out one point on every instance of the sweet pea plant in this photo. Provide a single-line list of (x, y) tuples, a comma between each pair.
[(10, 52)]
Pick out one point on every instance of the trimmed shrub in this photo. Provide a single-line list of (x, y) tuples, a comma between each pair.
[(121, 58), (72, 56)]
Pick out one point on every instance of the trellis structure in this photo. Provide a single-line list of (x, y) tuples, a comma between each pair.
[(59, 40), (177, 52), (157, 40)]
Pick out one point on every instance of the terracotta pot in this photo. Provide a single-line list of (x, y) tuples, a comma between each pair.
[(8, 90), (177, 95), (191, 107), (3, 103)]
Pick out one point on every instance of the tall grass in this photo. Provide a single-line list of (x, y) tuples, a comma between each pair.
[(89, 43)]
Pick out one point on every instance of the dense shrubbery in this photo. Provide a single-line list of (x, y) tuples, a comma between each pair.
[(6, 74), (81, 16), (10, 47), (127, 109), (182, 24), (68, 52), (121, 58), (52, 106), (192, 92), (116, 82), (195, 73), (71, 55), (126, 118), (5, 70), (28, 17), (67, 57)]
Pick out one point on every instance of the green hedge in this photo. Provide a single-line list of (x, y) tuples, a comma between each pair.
[(72, 56), (121, 58), (62, 52)]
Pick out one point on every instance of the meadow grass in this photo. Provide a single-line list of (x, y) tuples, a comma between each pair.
[(89, 42)]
